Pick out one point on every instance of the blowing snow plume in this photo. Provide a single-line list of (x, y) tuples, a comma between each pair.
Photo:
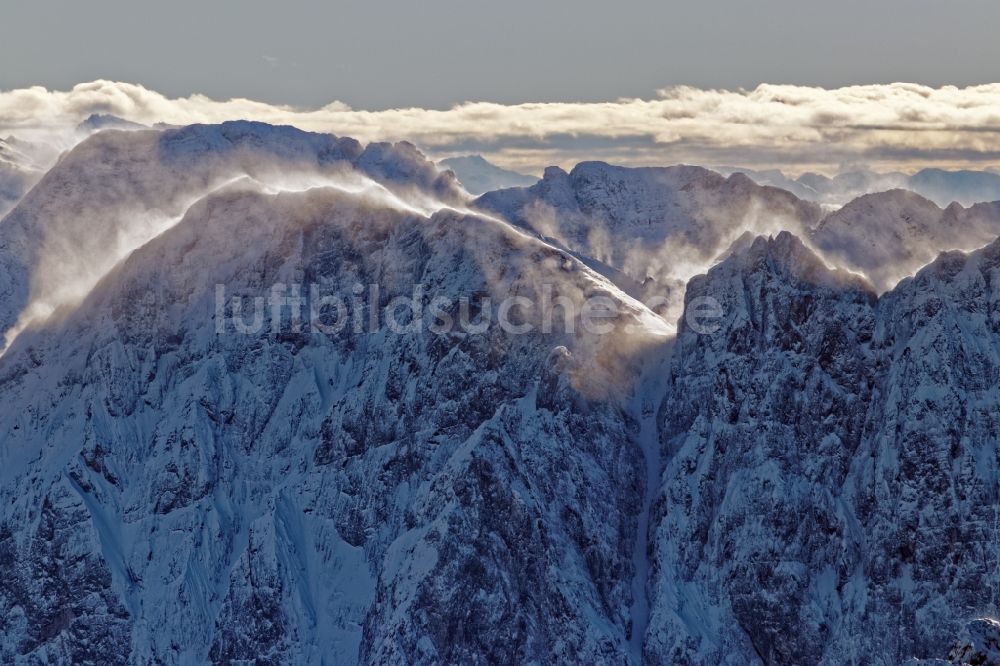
[(117, 190), (649, 230), (890, 235)]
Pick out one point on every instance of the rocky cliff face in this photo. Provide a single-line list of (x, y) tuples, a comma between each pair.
[(829, 491), (172, 494), (925, 485), (759, 428)]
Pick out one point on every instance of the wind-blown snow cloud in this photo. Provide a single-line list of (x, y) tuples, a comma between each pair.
[(900, 126)]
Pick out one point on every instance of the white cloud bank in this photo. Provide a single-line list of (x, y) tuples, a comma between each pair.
[(897, 126)]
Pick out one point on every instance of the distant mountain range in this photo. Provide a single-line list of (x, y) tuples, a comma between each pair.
[(479, 176), (653, 227), (100, 121), (940, 186)]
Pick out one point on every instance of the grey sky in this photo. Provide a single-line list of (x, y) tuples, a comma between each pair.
[(434, 53)]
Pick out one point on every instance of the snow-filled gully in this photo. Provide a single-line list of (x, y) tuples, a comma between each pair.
[(649, 393)]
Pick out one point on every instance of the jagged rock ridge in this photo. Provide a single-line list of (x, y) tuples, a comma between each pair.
[(829, 492)]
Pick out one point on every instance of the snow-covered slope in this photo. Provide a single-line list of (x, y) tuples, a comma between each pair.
[(479, 176), (32, 155), (14, 182), (22, 164)]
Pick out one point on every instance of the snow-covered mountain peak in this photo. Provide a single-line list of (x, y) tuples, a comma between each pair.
[(403, 165), (955, 270), (788, 259), (609, 179), (655, 225), (890, 235), (118, 189), (554, 173), (194, 142), (908, 204)]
